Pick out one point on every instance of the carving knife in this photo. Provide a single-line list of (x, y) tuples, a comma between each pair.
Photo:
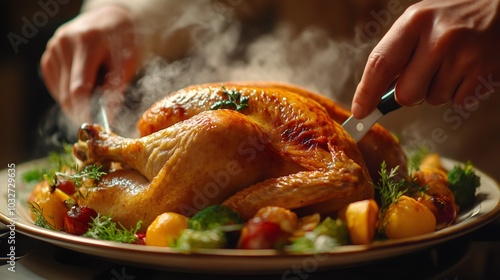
[(97, 102), (358, 128)]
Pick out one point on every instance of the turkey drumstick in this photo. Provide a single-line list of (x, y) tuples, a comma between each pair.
[(283, 149)]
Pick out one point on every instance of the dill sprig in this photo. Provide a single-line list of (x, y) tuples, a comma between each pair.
[(235, 100), (39, 218), (102, 227), (89, 172)]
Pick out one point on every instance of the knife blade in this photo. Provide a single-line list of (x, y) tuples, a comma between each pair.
[(99, 112), (97, 102), (358, 128)]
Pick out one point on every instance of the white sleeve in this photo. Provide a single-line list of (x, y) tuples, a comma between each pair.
[(167, 27)]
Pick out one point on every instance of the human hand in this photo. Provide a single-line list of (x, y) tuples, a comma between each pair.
[(439, 51), (97, 39)]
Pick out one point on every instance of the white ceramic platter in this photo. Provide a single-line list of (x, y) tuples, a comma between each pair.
[(485, 210)]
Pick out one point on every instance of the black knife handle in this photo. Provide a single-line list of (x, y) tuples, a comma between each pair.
[(388, 102)]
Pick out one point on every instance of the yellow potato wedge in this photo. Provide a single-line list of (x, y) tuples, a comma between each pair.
[(362, 218)]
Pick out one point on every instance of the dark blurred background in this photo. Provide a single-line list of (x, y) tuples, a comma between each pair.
[(26, 102), (27, 109)]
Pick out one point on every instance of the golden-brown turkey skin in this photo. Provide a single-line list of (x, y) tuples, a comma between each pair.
[(376, 146), (282, 150), (188, 166)]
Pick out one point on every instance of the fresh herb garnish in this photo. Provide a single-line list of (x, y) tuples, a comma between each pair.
[(39, 218), (62, 160), (63, 166), (235, 101), (56, 162), (103, 228), (389, 190), (463, 183), (33, 176), (84, 177), (89, 172)]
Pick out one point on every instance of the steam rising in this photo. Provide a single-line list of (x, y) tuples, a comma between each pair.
[(309, 59)]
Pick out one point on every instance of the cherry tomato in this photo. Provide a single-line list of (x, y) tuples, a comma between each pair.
[(262, 234), (77, 220), (141, 238)]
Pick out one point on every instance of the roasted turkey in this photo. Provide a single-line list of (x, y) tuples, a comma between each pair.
[(285, 148)]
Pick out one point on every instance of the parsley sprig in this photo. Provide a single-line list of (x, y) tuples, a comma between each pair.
[(235, 101)]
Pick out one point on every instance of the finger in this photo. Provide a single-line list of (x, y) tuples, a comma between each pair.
[(122, 65), (49, 71), (444, 84), (123, 59), (125, 66), (61, 51), (385, 63), (86, 62), (414, 83), (469, 93)]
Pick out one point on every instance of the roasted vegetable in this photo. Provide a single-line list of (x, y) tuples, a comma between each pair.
[(432, 160), (262, 234), (287, 219), (464, 183), (330, 233), (38, 217), (334, 228), (47, 207), (436, 194), (78, 219), (407, 218), (215, 216), (166, 229), (361, 218), (67, 186), (196, 239)]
